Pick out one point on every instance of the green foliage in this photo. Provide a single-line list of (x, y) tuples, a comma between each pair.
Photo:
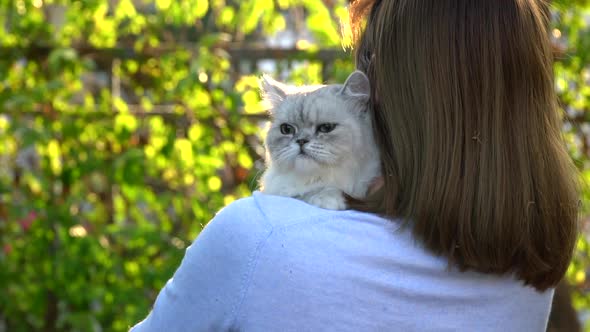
[(103, 183), (572, 75)]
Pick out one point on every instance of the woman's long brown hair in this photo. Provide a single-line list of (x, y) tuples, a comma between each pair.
[(467, 122)]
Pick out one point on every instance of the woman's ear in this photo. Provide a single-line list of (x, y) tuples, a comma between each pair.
[(357, 85), (272, 91)]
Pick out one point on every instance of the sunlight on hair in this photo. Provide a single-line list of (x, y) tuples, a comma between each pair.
[(346, 31)]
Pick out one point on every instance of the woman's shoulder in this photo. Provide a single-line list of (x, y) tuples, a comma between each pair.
[(257, 218), (269, 211), (257, 213)]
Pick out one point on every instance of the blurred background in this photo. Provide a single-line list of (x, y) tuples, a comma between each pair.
[(126, 124)]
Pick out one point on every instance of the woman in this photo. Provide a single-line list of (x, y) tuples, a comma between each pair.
[(479, 197)]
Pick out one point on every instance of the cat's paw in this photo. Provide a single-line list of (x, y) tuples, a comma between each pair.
[(331, 200)]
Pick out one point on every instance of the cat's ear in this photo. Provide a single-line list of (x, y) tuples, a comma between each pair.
[(357, 85), (272, 91)]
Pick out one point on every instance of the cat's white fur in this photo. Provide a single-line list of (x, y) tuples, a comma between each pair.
[(345, 160)]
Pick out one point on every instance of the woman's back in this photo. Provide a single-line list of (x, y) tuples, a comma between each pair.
[(269, 263), (467, 125)]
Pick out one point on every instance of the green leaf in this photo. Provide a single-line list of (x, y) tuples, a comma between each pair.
[(200, 8), (163, 4)]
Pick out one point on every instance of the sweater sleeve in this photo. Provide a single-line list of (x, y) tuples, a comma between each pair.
[(206, 291)]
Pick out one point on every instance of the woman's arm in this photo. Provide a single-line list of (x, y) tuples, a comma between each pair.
[(206, 290)]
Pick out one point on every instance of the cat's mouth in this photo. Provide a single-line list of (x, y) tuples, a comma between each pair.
[(307, 161), (303, 155)]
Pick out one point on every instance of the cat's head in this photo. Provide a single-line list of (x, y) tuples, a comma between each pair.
[(318, 127)]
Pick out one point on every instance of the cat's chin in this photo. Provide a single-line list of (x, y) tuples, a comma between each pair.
[(305, 164)]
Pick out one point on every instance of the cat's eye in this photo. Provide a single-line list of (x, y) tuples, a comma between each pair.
[(287, 129), (326, 127)]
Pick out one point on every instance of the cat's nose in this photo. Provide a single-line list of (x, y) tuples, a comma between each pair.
[(302, 141)]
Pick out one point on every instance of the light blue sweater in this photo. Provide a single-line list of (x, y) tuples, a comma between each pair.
[(269, 263)]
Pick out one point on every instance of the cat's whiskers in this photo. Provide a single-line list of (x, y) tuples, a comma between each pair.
[(323, 156), (286, 156)]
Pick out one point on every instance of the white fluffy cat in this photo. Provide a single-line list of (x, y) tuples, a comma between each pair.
[(320, 143)]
